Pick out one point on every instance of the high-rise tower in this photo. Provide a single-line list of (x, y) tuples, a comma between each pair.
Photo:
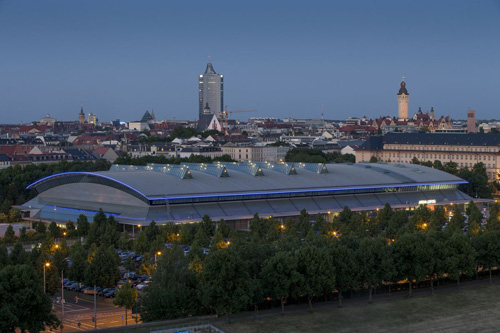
[(403, 97), (211, 91)]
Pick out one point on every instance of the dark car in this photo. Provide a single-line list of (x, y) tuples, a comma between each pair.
[(110, 294)]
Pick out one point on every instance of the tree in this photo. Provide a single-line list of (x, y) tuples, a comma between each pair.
[(78, 262), (493, 221), (173, 290), (23, 234), (141, 243), (383, 216), (201, 239), (436, 263), (346, 268), (396, 223), (411, 258), (40, 228), (477, 178), (460, 256), (5, 207), (54, 230), (253, 255), (315, 266), (223, 228), (97, 228), (125, 242), (187, 232), (126, 298), (18, 255), (371, 254), (373, 159), (457, 222), (304, 224), (23, 304), (225, 282), (152, 231), (109, 232), (70, 227), (281, 276), (9, 235), (437, 165), (103, 268), (438, 219), (59, 260), (129, 264), (4, 256), (207, 225), (321, 225), (305, 155), (451, 167), (487, 246), (82, 225), (474, 219), (258, 227)]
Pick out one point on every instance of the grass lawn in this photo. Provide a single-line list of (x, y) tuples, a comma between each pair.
[(467, 310)]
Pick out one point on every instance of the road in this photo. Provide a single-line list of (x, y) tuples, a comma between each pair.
[(82, 312)]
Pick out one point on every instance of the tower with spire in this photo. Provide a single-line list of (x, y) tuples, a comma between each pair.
[(210, 91), (403, 97), (81, 116)]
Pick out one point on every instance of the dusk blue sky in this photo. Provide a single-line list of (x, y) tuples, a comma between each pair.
[(282, 58)]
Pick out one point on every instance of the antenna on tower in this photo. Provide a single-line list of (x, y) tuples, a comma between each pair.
[(403, 77), (209, 58), (322, 114)]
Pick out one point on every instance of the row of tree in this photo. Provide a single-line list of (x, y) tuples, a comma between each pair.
[(277, 260), (297, 259), (14, 179)]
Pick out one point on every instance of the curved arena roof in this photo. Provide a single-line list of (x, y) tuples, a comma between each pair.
[(149, 184), (229, 190)]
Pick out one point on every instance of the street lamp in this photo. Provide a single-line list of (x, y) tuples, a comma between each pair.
[(157, 254), (47, 264)]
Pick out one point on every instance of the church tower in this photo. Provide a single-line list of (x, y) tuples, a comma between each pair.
[(81, 116), (403, 97)]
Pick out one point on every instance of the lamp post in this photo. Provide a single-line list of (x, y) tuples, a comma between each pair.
[(47, 264), (55, 214), (62, 299), (156, 255)]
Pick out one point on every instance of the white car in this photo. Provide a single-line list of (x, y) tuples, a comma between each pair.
[(141, 285)]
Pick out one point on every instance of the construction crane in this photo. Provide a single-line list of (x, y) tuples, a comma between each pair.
[(224, 115)]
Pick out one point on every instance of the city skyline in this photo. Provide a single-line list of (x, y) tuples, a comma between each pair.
[(121, 58)]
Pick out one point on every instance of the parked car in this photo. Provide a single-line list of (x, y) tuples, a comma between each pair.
[(110, 294), (90, 290), (73, 286), (104, 291), (141, 285)]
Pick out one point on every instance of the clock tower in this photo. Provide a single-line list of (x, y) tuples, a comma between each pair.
[(403, 97)]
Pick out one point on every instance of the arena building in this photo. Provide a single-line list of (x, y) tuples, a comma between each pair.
[(137, 195)]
